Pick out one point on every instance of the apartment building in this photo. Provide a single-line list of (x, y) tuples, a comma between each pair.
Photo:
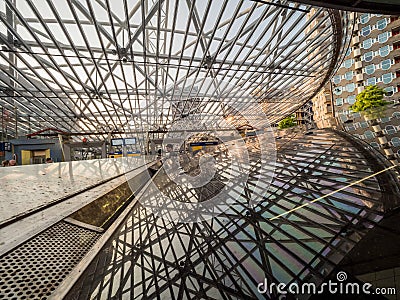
[(373, 58)]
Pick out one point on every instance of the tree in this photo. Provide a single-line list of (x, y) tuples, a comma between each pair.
[(370, 98), (287, 122)]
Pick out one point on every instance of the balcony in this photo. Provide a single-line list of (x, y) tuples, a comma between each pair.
[(357, 52), (360, 89), (359, 77), (377, 128), (355, 40), (382, 140), (388, 151), (358, 65)]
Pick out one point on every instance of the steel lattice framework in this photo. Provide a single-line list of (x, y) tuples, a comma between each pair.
[(94, 65), (229, 255)]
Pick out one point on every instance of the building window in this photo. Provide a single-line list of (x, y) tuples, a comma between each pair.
[(384, 51), (395, 141), (371, 81), (375, 145), (369, 134), (337, 79), (383, 37), (381, 24), (364, 124), (343, 118), (349, 75), (364, 18), (370, 69), (366, 44), (396, 115), (386, 64), (385, 119), (351, 128), (351, 99), (350, 87), (348, 63), (339, 101), (368, 56), (349, 50), (366, 30), (389, 91), (337, 90), (387, 78), (390, 129)]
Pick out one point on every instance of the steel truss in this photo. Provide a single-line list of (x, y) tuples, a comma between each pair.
[(93, 65), (229, 255)]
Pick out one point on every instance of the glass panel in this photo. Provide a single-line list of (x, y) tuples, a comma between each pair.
[(336, 79), (386, 64), (337, 90), (390, 129), (369, 134), (384, 51), (351, 99), (364, 18), (389, 91), (370, 69), (349, 75), (368, 56), (396, 141), (371, 81), (351, 128), (387, 78), (396, 114), (375, 145), (367, 44), (366, 30), (381, 24), (350, 87), (348, 63), (383, 37)]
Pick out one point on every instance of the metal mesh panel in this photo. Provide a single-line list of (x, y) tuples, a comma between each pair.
[(36, 268)]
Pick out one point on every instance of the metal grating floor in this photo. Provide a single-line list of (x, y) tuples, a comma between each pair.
[(36, 268)]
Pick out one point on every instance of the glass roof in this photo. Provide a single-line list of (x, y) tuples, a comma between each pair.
[(226, 257), (92, 66)]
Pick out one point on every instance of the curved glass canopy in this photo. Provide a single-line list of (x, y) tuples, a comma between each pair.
[(92, 66), (287, 238)]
